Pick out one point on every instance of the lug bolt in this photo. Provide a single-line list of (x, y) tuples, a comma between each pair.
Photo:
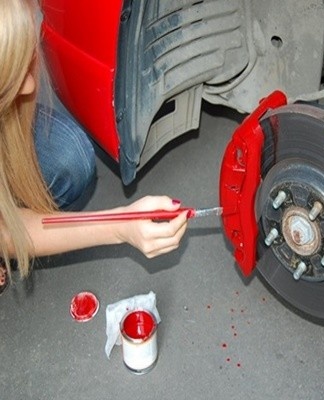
[(314, 212), (300, 270), (273, 234), (281, 197)]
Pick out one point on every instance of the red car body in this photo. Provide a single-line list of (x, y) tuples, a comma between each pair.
[(82, 69)]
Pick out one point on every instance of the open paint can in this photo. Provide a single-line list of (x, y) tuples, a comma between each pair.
[(139, 341)]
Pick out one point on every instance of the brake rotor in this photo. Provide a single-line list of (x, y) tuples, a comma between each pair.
[(290, 206)]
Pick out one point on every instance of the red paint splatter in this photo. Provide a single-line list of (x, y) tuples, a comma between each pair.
[(235, 334), (224, 345), (228, 359), (238, 365)]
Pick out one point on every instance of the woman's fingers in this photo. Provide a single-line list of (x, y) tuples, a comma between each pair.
[(159, 238), (154, 238)]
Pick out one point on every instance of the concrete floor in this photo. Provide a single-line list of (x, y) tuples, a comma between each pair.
[(221, 337)]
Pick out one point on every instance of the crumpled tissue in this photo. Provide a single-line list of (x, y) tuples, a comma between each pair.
[(115, 313)]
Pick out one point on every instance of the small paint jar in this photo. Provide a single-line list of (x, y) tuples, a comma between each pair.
[(139, 341)]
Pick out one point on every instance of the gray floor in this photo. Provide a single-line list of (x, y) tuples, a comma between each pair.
[(221, 337)]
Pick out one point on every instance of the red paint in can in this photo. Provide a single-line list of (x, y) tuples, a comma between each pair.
[(139, 339)]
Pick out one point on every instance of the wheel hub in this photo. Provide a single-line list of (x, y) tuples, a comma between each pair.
[(302, 235), (291, 231)]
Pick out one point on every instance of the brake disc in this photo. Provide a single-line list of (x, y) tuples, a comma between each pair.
[(290, 206)]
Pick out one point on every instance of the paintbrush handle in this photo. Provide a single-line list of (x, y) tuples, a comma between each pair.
[(156, 215)]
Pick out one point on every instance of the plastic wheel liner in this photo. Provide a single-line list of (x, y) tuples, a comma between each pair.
[(279, 220), (165, 48), (290, 206)]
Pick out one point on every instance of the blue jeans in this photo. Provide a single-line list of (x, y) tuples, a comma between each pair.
[(65, 155)]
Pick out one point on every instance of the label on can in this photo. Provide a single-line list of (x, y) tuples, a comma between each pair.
[(139, 340)]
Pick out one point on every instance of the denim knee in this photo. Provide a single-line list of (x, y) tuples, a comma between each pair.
[(65, 154)]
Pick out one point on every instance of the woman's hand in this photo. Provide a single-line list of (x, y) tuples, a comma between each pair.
[(153, 238)]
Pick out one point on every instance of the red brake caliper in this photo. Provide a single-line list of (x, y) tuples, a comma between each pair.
[(239, 180)]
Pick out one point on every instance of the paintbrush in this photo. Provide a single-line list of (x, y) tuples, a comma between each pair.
[(156, 215)]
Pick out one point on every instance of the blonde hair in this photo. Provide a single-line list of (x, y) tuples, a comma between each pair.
[(21, 183)]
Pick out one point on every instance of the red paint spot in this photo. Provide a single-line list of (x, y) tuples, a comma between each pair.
[(238, 365), (233, 327), (224, 345), (209, 306), (228, 359), (235, 334)]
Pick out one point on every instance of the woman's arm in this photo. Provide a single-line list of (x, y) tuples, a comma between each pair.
[(151, 238)]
